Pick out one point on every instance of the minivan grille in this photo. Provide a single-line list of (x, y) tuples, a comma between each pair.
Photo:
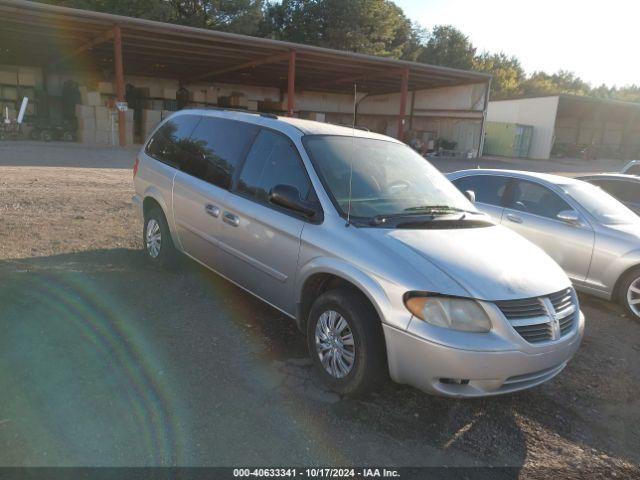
[(527, 308), (561, 300), (542, 319)]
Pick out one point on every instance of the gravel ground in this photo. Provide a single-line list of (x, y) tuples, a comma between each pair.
[(106, 361)]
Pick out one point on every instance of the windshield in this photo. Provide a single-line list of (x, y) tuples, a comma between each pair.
[(602, 206), (388, 178)]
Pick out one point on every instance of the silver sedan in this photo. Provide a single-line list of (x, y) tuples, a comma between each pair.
[(594, 237)]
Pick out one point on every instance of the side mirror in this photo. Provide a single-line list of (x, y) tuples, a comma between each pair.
[(471, 195), (569, 217), (288, 196)]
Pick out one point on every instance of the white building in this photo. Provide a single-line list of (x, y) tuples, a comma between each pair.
[(565, 125)]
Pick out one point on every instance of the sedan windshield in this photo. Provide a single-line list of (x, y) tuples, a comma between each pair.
[(602, 206), (379, 178)]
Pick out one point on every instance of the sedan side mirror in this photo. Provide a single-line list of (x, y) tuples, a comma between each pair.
[(471, 195), (569, 217), (288, 196)]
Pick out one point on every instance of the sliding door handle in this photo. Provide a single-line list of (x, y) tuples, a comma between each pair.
[(212, 210), (231, 219)]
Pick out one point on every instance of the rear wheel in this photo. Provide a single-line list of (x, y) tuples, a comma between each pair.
[(346, 343), (157, 238), (629, 292)]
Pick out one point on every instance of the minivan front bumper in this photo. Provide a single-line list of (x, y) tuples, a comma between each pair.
[(453, 372)]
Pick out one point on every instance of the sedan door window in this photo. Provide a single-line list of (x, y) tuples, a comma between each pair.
[(530, 197), (487, 188)]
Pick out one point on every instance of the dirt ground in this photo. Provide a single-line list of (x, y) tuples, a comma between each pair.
[(107, 361)]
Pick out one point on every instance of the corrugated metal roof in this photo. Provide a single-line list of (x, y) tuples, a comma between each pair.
[(45, 35)]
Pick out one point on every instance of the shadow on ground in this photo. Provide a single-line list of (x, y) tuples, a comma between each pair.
[(105, 360)]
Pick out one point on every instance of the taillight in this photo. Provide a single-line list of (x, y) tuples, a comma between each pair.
[(135, 166)]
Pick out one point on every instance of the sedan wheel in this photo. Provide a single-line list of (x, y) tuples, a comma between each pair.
[(633, 297), (334, 344), (153, 238)]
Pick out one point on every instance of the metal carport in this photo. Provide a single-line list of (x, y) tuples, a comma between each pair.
[(60, 39)]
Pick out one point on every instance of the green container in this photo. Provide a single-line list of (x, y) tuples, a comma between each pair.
[(507, 139)]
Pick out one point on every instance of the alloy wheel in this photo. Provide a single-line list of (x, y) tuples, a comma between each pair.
[(153, 238), (633, 296), (334, 344)]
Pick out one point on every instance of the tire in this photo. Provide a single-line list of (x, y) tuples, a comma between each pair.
[(156, 239), (368, 368), (630, 282)]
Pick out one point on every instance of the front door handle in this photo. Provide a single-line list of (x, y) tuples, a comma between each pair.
[(514, 218), (212, 210), (231, 219)]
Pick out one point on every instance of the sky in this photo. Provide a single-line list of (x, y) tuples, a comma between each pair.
[(597, 40)]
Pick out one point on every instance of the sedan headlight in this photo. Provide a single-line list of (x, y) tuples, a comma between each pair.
[(454, 313)]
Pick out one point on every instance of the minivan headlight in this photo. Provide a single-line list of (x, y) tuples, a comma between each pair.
[(462, 314)]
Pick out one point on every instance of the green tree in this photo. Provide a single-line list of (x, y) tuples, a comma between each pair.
[(507, 73), (148, 9), (449, 47), (376, 27), (415, 43), (542, 83), (629, 93), (239, 16)]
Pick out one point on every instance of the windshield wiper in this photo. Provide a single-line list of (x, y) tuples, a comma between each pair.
[(436, 209), (381, 219), (428, 212), (426, 216)]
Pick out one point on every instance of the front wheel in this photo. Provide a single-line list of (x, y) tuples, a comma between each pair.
[(629, 293), (157, 238), (346, 343)]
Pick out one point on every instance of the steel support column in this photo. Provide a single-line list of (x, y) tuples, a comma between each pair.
[(404, 89), (483, 125), (291, 83), (117, 57)]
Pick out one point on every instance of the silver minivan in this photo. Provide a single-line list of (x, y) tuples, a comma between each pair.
[(385, 266)]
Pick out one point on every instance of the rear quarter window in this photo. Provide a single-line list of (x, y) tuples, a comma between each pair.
[(167, 143)]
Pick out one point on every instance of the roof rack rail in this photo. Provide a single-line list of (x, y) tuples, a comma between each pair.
[(231, 109)]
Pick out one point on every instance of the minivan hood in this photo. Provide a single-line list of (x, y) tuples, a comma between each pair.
[(490, 263)]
